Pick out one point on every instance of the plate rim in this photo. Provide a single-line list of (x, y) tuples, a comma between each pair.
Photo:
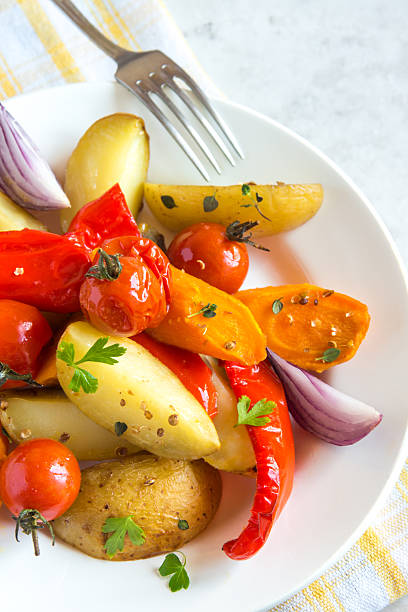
[(403, 451)]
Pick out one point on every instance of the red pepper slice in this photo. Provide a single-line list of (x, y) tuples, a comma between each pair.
[(42, 269), (274, 452), (188, 367), (104, 218), (151, 254)]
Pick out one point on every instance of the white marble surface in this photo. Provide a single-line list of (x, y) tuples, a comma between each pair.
[(335, 72)]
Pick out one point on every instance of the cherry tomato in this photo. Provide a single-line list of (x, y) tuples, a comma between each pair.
[(40, 474), (205, 251), (138, 297), (23, 333)]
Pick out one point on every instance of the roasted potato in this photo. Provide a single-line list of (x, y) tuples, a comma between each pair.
[(160, 414), (26, 415), (157, 492), (236, 453), (280, 207), (14, 217), (115, 149)]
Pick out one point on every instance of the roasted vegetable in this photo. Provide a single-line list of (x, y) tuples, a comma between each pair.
[(141, 393), (115, 149), (236, 453), (49, 414), (311, 327), (203, 319), (277, 207), (14, 217), (157, 493)]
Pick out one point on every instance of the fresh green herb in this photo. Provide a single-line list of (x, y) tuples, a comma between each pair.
[(173, 565), (257, 415), (6, 374), (120, 428), (329, 355), (208, 311), (107, 268), (183, 525), (277, 306), (237, 232), (246, 191), (119, 527), (210, 203), (98, 353), (168, 201)]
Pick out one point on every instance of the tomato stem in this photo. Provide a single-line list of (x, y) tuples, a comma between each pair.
[(34, 535), (30, 521)]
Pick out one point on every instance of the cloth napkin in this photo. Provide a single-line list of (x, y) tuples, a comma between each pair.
[(39, 47)]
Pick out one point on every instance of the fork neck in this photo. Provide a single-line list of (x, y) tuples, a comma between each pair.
[(106, 45)]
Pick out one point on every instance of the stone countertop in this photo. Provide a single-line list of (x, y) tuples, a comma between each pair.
[(334, 72)]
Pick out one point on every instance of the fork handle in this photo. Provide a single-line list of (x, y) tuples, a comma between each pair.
[(110, 48)]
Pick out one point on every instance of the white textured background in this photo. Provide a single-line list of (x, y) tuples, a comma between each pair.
[(335, 71)]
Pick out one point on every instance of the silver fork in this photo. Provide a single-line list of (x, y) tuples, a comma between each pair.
[(146, 73)]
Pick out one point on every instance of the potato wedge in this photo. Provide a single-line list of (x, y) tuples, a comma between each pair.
[(14, 217), (236, 453), (115, 149), (49, 414), (157, 492), (161, 415), (286, 206)]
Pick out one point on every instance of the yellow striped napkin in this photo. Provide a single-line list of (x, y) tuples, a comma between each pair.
[(39, 48)]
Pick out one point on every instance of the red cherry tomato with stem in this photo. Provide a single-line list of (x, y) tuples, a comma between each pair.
[(39, 481), (212, 252)]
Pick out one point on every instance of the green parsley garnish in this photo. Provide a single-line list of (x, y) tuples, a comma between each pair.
[(98, 353), (329, 355), (6, 374), (168, 201), (207, 311), (257, 415), (246, 191), (183, 525), (107, 268), (173, 565), (277, 306), (120, 428), (119, 527)]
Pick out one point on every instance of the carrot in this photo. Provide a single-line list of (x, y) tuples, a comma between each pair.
[(311, 327), (203, 319)]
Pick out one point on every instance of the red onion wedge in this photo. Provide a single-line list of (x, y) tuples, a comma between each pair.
[(327, 413), (24, 175)]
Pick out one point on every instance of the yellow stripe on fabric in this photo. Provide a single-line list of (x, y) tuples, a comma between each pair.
[(333, 594), (383, 563), (402, 491), (10, 74), (309, 599), (6, 85), (113, 28), (124, 24), (404, 478), (51, 41), (321, 597)]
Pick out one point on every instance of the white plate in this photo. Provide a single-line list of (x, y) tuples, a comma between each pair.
[(336, 490)]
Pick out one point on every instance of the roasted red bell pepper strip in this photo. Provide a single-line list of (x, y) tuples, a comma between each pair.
[(42, 269), (104, 218), (188, 367), (274, 452), (24, 332)]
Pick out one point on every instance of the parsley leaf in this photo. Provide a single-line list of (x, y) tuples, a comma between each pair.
[(173, 565), (329, 355), (119, 527), (98, 353), (257, 415), (208, 311)]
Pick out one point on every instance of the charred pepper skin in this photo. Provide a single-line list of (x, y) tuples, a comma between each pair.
[(274, 452)]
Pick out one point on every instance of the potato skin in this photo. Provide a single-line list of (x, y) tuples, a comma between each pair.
[(156, 491)]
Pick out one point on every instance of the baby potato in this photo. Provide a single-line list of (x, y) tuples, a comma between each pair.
[(280, 207), (115, 149), (26, 415), (236, 453), (14, 217), (157, 492), (160, 415)]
